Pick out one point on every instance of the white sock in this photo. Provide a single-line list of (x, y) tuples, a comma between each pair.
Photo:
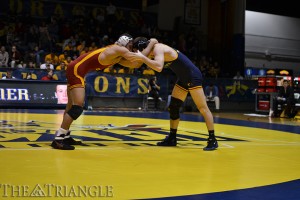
[(61, 133)]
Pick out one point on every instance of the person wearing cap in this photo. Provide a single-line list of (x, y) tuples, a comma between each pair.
[(189, 80), (75, 73)]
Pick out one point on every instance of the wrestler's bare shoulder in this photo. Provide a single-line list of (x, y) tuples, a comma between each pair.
[(167, 50)]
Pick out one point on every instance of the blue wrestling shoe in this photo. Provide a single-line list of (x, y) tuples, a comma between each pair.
[(212, 144)]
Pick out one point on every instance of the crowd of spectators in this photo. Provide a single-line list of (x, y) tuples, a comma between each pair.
[(52, 43)]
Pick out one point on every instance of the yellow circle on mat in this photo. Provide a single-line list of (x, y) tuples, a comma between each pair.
[(121, 160)]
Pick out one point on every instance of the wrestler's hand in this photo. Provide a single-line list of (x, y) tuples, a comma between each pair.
[(153, 41), (140, 54)]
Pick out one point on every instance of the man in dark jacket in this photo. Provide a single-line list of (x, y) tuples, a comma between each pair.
[(285, 96)]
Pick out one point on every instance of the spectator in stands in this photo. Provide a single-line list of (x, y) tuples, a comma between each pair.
[(68, 43), (61, 67), (31, 65), (52, 58), (85, 50), (47, 65), (80, 47), (212, 94), (37, 55), (63, 56), (15, 57), (68, 47), (285, 96), (49, 76), (4, 57), (69, 60), (9, 75)]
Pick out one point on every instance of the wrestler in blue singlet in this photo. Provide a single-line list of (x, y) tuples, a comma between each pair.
[(189, 76)]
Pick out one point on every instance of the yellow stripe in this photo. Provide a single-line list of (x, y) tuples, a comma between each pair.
[(76, 86), (181, 88), (84, 59), (197, 87)]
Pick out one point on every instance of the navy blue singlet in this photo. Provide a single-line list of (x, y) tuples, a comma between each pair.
[(188, 75)]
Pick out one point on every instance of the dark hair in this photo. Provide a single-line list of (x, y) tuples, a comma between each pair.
[(140, 43)]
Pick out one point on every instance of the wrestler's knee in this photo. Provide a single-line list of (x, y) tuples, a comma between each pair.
[(174, 108), (75, 111)]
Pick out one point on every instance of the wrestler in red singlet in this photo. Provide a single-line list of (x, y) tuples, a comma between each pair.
[(78, 68)]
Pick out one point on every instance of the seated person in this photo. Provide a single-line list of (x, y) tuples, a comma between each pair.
[(61, 67), (285, 96), (49, 77), (154, 89), (9, 75), (52, 58), (212, 94)]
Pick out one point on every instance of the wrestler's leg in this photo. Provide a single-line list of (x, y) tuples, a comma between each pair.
[(200, 101), (178, 96), (73, 110)]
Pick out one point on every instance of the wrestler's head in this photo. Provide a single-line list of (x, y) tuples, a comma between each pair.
[(125, 40), (140, 43)]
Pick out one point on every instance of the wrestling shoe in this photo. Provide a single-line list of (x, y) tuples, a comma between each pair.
[(212, 144), (71, 141), (60, 144), (168, 142)]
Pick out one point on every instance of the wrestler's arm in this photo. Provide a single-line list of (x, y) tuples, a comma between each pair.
[(146, 52), (115, 53), (157, 63), (150, 46), (129, 64), (130, 60)]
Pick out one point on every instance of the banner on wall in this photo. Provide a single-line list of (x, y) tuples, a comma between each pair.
[(116, 85), (35, 93)]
